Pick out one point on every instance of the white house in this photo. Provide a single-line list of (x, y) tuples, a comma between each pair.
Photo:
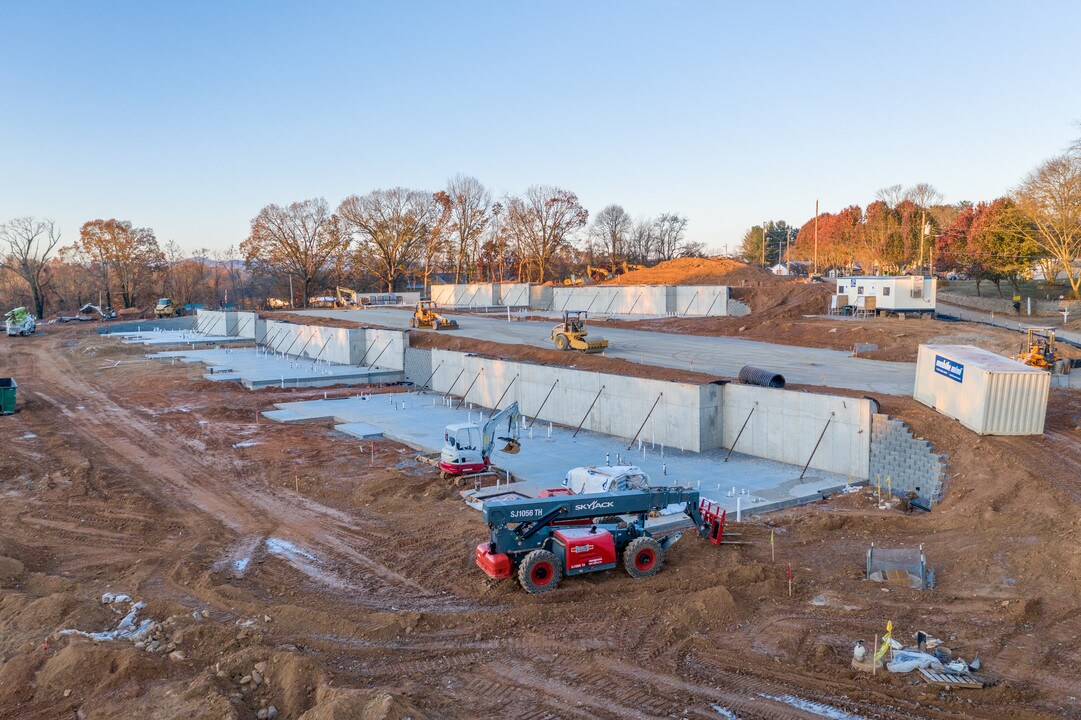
[(900, 294)]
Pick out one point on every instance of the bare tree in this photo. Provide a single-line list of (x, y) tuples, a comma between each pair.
[(541, 223), (394, 228), (670, 229), (642, 240), (470, 208), (296, 241), (610, 230), (892, 195), (30, 242), (1050, 199)]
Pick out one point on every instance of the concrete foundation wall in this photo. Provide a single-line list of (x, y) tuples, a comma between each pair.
[(249, 325), (541, 297), (786, 425), (613, 299), (379, 348), (700, 300), (345, 346), (213, 322), (513, 294), (467, 295), (336, 345), (686, 415)]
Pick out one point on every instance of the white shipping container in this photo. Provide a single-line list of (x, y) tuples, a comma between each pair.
[(989, 394)]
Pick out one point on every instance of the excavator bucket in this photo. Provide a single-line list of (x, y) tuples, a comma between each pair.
[(512, 447)]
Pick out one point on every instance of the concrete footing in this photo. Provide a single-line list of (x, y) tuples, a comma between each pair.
[(163, 338), (255, 369)]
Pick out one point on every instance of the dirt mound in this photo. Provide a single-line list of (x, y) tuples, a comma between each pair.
[(339, 704), (785, 299), (698, 271)]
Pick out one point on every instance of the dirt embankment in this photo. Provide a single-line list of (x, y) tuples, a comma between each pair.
[(698, 271), (329, 578)]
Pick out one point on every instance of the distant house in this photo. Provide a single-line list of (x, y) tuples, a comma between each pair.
[(779, 269)]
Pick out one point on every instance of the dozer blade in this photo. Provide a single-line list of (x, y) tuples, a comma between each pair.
[(513, 447)]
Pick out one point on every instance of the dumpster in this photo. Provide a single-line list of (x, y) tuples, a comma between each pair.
[(7, 395)]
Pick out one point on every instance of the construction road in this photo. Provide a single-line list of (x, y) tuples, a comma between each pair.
[(722, 356)]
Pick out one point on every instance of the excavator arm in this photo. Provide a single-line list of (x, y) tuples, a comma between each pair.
[(507, 416)]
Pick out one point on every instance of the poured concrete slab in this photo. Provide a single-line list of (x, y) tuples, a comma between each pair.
[(255, 369), (361, 431), (155, 338), (547, 453)]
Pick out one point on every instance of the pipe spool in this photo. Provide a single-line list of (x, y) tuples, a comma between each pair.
[(749, 375)]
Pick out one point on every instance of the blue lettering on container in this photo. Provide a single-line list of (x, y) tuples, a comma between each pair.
[(949, 368)]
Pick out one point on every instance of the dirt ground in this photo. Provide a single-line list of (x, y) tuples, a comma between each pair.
[(334, 579), (698, 271)]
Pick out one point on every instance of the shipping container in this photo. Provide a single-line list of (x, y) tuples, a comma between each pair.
[(900, 294), (989, 394)]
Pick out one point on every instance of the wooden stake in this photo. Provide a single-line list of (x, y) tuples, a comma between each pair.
[(772, 550), (296, 481), (789, 579), (874, 657)]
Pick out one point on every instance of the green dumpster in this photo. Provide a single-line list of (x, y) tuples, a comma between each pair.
[(7, 395)]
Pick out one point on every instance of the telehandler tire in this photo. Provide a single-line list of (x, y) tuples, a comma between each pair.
[(643, 557), (539, 572), (562, 343)]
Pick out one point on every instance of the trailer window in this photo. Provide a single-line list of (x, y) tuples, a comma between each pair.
[(859, 290), (885, 291)]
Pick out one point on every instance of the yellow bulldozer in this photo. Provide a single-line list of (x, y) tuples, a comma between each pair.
[(1038, 351), (571, 334), (425, 317)]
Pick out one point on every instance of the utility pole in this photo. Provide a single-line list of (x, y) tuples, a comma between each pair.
[(764, 240), (291, 292), (816, 236), (787, 250), (923, 234)]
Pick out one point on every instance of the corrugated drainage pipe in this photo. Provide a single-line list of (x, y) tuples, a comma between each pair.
[(749, 375)]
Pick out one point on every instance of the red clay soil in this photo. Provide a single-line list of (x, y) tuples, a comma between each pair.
[(698, 271), (144, 479)]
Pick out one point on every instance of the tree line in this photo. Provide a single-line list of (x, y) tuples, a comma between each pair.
[(112, 263), (1036, 227), (385, 240), (396, 236)]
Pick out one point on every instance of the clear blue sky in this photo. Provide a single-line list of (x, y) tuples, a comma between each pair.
[(188, 117)]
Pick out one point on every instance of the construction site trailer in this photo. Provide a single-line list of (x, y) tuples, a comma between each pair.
[(989, 394), (900, 294)]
